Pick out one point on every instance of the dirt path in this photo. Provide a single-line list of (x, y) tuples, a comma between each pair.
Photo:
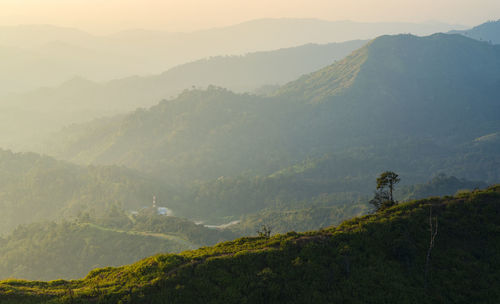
[(164, 236)]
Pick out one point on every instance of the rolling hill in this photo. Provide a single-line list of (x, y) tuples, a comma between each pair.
[(426, 251), (57, 53)]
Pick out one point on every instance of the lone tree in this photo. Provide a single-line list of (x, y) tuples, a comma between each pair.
[(385, 187), (265, 231)]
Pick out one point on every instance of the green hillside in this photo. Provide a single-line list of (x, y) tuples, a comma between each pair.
[(380, 258), (416, 79)]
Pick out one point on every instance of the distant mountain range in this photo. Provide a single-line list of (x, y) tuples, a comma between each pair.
[(430, 97), (44, 55), (27, 117), (239, 73), (489, 32)]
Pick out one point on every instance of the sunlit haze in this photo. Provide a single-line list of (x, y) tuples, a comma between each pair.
[(249, 151), (107, 16)]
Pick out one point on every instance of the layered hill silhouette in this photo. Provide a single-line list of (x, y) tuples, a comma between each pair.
[(488, 32), (47, 55), (79, 100), (242, 73), (416, 104), (426, 251)]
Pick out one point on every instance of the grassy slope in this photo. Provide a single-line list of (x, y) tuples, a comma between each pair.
[(377, 258)]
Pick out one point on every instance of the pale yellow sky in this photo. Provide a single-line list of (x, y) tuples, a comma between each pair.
[(105, 16)]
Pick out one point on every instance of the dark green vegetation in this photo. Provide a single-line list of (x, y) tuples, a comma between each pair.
[(358, 261), (417, 105), (488, 31)]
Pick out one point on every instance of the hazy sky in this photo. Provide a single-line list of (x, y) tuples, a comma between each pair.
[(185, 15)]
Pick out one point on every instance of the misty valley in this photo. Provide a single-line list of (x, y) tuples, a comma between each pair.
[(358, 164)]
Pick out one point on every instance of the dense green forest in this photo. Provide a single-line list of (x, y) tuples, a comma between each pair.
[(425, 251)]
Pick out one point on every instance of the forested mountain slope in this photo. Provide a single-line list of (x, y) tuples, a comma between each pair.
[(419, 105), (78, 100), (488, 31), (380, 258)]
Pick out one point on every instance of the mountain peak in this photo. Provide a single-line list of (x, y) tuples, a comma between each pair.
[(388, 59), (488, 31)]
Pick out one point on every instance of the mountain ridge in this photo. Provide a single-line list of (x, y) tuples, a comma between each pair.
[(455, 93), (487, 31)]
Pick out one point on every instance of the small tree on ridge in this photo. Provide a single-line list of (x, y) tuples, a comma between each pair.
[(384, 197)]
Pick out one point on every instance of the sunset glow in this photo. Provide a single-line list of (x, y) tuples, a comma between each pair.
[(187, 15)]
